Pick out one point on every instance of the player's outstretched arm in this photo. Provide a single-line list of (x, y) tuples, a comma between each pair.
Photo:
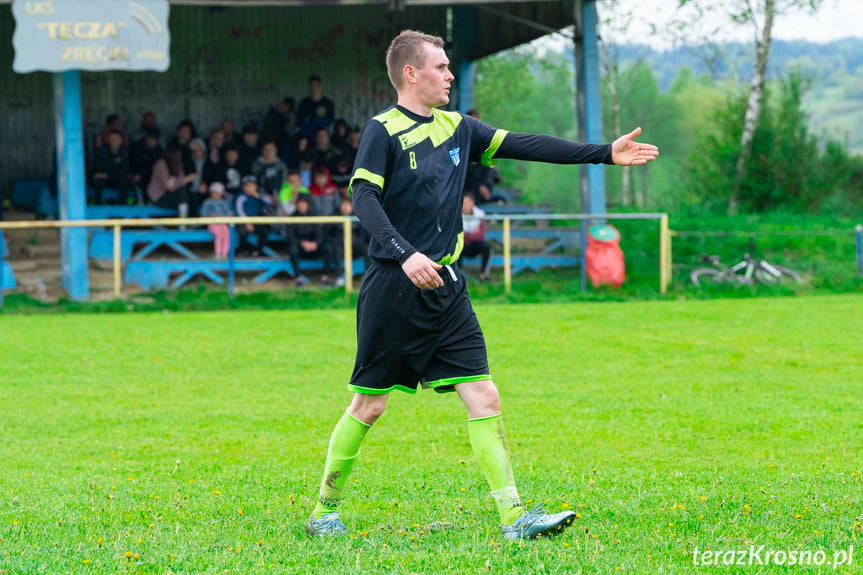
[(625, 151)]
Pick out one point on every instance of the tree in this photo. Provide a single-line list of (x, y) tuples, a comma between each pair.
[(760, 15)]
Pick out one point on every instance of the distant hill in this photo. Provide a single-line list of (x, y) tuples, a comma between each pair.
[(835, 100)]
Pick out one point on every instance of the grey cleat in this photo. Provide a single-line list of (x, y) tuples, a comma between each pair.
[(537, 523), (330, 525)]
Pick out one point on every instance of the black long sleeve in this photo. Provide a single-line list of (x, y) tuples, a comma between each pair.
[(368, 209), (542, 148)]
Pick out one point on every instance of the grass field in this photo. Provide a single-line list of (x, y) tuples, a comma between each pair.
[(193, 443)]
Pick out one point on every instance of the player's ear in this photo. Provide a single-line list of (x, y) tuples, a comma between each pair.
[(409, 74)]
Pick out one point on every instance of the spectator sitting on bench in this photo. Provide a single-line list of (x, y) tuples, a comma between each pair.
[(143, 156), (270, 171), (111, 168), (227, 171), (480, 180), (307, 241), (182, 136), (249, 148), (351, 146), (474, 234), (148, 122), (168, 186), (216, 206), (292, 187), (307, 165), (360, 238), (251, 204), (112, 122), (324, 195), (198, 187), (215, 143), (227, 127), (326, 153), (341, 177)]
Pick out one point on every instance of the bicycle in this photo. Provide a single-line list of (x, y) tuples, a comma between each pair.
[(748, 271)]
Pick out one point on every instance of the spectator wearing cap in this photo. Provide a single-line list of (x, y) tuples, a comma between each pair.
[(250, 203), (306, 241), (217, 207), (315, 110)]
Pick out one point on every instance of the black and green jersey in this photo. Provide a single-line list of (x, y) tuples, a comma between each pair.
[(417, 165), (420, 163)]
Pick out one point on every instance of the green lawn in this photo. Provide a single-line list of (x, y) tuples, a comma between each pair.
[(194, 442)]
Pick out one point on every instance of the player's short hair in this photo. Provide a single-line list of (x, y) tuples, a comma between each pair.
[(407, 48)]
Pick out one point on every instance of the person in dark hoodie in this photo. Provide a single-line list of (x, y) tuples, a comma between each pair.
[(270, 171), (307, 241), (143, 155), (249, 148), (111, 168), (250, 204)]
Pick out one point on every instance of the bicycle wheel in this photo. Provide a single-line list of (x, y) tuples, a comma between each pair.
[(766, 275), (706, 276)]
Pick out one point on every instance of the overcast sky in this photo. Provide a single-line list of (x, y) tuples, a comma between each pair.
[(836, 19)]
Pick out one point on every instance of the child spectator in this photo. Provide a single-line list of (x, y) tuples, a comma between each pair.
[(291, 190), (340, 133), (167, 187), (474, 234), (111, 168), (341, 176), (249, 149), (250, 203), (270, 171), (315, 110), (324, 195), (217, 207), (306, 241), (360, 239), (307, 164), (143, 156)]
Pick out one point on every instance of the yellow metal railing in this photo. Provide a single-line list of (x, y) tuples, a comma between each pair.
[(665, 260)]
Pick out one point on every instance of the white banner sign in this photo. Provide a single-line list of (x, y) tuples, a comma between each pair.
[(92, 35)]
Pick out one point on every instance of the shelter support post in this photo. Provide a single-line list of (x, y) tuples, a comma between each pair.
[(71, 186)]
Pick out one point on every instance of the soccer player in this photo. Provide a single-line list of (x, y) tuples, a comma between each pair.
[(415, 323)]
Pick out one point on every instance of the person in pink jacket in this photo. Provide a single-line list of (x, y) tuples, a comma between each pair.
[(168, 186)]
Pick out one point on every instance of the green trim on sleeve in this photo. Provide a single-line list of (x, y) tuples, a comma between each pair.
[(488, 156), (363, 174)]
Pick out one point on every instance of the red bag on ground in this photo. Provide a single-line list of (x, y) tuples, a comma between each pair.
[(603, 256)]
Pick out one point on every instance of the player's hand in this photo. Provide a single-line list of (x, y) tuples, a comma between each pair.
[(422, 271), (625, 151)]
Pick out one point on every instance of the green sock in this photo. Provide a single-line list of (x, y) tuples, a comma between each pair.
[(488, 440), (343, 451)]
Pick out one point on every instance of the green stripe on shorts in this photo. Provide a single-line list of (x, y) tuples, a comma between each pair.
[(456, 380), (376, 391)]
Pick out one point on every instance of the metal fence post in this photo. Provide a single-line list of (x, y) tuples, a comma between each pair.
[(859, 232), (507, 257), (117, 246), (349, 257), (664, 255), (231, 262)]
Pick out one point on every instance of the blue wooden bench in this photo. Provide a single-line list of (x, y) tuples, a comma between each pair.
[(559, 238), (26, 193), (516, 209), (102, 243), (156, 274), (128, 212)]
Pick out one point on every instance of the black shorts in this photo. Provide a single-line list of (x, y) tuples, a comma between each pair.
[(407, 336)]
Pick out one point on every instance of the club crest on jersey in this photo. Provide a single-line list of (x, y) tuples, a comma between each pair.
[(453, 155)]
